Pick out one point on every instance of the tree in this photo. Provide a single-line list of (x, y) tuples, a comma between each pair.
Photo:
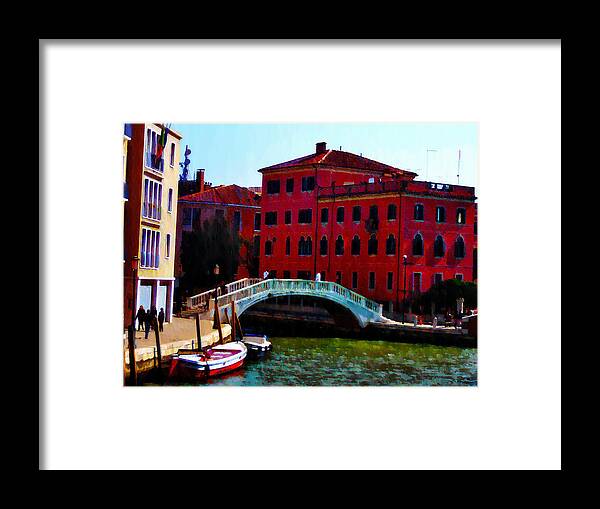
[(445, 293), (214, 242)]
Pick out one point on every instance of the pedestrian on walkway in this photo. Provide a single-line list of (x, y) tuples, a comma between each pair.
[(148, 323), (141, 317), (266, 274), (318, 277), (161, 319)]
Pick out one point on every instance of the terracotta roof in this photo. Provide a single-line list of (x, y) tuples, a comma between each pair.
[(232, 194), (339, 159)]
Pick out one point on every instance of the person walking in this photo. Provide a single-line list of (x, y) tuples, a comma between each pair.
[(161, 319), (266, 274), (141, 317), (318, 277), (148, 323)]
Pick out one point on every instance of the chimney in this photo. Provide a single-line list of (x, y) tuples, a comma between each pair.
[(321, 147), (200, 180)]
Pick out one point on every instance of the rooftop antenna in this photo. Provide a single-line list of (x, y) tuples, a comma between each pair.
[(458, 170), (427, 162)]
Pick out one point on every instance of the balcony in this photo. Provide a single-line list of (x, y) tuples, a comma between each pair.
[(154, 163)]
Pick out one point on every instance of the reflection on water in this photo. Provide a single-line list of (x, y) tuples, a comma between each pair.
[(344, 362)]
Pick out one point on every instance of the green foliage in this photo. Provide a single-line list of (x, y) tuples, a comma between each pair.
[(212, 243), (444, 295)]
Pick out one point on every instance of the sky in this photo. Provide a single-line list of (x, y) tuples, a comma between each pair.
[(232, 153)]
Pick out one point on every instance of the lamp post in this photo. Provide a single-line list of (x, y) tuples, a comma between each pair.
[(404, 261), (131, 335)]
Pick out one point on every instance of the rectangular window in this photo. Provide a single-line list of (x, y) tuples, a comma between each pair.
[(196, 215), (354, 280), (150, 159), (273, 187), (257, 245), (340, 215), (305, 216), (356, 214), (152, 201), (308, 183), (324, 216), (440, 214), (172, 159), (170, 203), (438, 278), (168, 250), (237, 220), (289, 185), (303, 274), (373, 212), (287, 274), (338, 277), (220, 213), (150, 249), (390, 280), (459, 277), (461, 216), (187, 217), (271, 218), (371, 280), (417, 282), (288, 217), (257, 221)]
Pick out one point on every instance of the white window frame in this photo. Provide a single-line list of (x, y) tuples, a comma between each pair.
[(438, 274), (152, 199), (461, 275), (170, 201), (150, 142), (150, 249), (172, 157)]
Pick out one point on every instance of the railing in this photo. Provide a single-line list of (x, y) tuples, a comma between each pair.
[(203, 300), (249, 287), (290, 286)]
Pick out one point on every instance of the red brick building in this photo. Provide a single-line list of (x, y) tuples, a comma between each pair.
[(238, 205), (353, 219)]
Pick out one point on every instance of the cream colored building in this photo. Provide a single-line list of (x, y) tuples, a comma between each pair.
[(150, 219)]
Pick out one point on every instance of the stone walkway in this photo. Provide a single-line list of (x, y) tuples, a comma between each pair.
[(178, 334)]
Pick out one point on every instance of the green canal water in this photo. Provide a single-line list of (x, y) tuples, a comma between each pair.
[(348, 362)]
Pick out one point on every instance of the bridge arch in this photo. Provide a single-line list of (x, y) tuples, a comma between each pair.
[(364, 310)]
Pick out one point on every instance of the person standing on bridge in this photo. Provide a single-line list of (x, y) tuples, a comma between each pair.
[(318, 277), (266, 274)]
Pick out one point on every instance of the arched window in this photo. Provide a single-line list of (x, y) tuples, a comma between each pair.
[(372, 245), (323, 246), (339, 246), (301, 247), (438, 247), (288, 246), (308, 246), (459, 247), (417, 245), (391, 211), (355, 248), (390, 245), (419, 212), (268, 248)]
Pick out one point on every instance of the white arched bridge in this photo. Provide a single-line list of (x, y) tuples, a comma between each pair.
[(247, 292)]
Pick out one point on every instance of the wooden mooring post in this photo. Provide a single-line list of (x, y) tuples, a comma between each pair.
[(131, 345), (198, 335), (158, 353), (217, 320)]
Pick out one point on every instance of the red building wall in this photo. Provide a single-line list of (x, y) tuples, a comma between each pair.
[(352, 189)]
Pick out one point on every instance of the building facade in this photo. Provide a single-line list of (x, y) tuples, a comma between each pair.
[(239, 206), (353, 219), (150, 219)]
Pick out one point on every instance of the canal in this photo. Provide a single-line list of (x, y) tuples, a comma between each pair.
[(301, 361)]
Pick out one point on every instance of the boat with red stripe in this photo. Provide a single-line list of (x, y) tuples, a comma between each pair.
[(213, 361)]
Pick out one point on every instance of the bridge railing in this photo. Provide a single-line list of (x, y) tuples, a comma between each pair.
[(292, 286), (203, 300)]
